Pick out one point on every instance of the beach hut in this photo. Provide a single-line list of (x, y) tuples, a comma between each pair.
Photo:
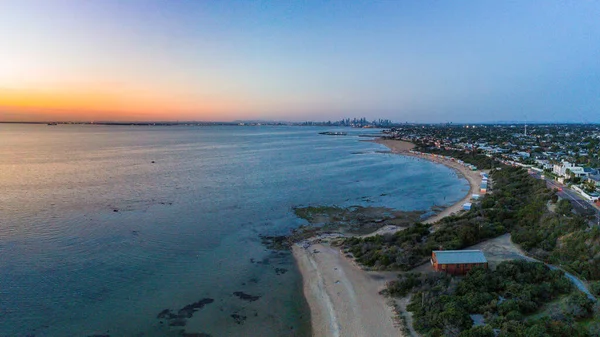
[(467, 206), (483, 188), (475, 196), (457, 262)]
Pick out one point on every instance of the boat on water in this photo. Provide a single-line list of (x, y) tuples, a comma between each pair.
[(333, 133), (53, 123)]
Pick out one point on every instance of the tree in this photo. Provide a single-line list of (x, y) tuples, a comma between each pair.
[(580, 306), (479, 331), (595, 288), (589, 186), (564, 207)]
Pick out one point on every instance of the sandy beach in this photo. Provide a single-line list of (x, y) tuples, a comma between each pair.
[(473, 177), (344, 300)]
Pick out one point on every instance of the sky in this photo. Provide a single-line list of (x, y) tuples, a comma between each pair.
[(408, 61)]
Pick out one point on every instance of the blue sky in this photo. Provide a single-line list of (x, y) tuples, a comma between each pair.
[(426, 61)]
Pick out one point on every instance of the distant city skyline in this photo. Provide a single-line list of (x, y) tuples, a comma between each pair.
[(422, 62)]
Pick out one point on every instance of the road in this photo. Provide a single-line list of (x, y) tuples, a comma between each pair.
[(579, 284), (502, 248), (581, 205)]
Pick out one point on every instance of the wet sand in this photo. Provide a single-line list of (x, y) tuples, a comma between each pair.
[(344, 300)]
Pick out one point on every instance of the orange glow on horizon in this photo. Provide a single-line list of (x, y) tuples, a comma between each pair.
[(88, 104)]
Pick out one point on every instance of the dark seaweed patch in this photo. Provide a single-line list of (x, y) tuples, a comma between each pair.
[(177, 322), (276, 242), (280, 271), (163, 314), (189, 310), (166, 314), (239, 319), (180, 319), (246, 297)]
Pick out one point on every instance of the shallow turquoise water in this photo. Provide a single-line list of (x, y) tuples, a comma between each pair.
[(95, 238)]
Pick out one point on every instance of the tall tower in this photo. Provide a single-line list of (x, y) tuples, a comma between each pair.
[(525, 129)]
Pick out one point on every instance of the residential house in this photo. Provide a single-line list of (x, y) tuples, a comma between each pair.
[(567, 169), (594, 179)]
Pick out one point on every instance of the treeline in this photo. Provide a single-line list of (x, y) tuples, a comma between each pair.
[(442, 305), (518, 200), (560, 237), (564, 240)]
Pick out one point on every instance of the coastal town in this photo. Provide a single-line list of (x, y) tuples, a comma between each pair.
[(568, 154), (529, 221)]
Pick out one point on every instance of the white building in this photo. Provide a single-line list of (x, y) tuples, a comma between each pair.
[(565, 169)]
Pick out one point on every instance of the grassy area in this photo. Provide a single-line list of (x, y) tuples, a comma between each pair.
[(550, 308)]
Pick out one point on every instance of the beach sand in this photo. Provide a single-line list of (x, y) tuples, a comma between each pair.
[(344, 300)]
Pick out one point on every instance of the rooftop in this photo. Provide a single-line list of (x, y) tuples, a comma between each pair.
[(459, 256)]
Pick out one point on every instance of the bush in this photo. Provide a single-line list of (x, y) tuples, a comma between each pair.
[(404, 285), (580, 306), (564, 207), (595, 288), (479, 331), (503, 296)]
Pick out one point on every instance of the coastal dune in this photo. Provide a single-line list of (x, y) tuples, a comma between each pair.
[(344, 300)]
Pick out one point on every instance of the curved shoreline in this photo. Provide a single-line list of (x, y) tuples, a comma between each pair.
[(344, 299), (472, 177)]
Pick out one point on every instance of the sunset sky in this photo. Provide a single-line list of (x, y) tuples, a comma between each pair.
[(416, 61)]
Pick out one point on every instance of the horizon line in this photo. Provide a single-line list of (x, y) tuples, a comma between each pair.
[(297, 123)]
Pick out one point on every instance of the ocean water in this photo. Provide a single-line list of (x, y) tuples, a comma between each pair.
[(102, 228)]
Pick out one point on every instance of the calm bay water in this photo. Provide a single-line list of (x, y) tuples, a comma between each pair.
[(104, 227)]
